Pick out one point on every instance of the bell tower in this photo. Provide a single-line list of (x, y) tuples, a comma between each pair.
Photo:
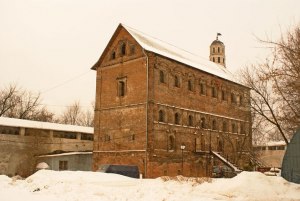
[(217, 51)]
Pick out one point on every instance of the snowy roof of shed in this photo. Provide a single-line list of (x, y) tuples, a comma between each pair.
[(170, 51), (4, 121)]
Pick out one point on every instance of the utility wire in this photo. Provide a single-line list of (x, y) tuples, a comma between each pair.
[(65, 82)]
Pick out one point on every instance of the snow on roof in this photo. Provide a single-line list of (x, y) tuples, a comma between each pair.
[(276, 143), (65, 154), (271, 143), (4, 121), (162, 48)]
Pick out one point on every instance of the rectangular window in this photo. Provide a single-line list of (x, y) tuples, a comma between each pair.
[(122, 84), (224, 95), (214, 92), (202, 88), (63, 165)]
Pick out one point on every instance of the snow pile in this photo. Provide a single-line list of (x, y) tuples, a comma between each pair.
[(253, 186), (50, 185)]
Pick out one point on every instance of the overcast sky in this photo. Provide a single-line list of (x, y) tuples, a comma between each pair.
[(49, 46)]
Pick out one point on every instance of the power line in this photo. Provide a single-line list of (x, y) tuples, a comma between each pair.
[(65, 82)]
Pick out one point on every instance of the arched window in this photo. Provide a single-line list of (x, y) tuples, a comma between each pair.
[(219, 60), (123, 49), (161, 116), (177, 118), (225, 129), (190, 121), (218, 49), (213, 50), (190, 85), (161, 76), (214, 124), (176, 81), (214, 59), (171, 144), (203, 124)]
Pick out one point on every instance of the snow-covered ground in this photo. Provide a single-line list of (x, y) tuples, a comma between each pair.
[(47, 185)]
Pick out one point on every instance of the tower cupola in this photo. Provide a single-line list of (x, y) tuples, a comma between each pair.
[(217, 51)]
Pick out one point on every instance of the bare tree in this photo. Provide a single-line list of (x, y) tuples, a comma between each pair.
[(75, 115), (275, 84), (8, 97), (22, 104)]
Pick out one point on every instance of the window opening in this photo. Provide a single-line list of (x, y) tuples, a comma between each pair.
[(161, 116), (123, 49), (190, 120), (177, 118), (122, 86), (161, 76), (176, 81)]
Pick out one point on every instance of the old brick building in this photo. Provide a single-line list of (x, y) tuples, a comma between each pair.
[(167, 110)]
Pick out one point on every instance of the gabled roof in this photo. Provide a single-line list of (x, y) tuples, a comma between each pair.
[(167, 50)]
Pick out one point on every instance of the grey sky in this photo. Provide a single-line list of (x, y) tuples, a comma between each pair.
[(48, 46)]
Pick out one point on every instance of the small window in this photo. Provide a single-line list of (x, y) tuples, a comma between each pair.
[(241, 100), (225, 128), (161, 116), (203, 124), (214, 92), (213, 50), (131, 137), (233, 98), (63, 165), (243, 131), (190, 85), (176, 81), (161, 76), (113, 55), (219, 60), (171, 144), (214, 124), (233, 128), (121, 88), (190, 121), (177, 118), (202, 88), (123, 49), (220, 146), (107, 138), (223, 95), (218, 49), (202, 142), (132, 49)]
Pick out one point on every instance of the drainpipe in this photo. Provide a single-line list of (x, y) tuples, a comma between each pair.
[(147, 101)]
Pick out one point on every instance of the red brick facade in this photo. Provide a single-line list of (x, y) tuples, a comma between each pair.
[(148, 105)]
